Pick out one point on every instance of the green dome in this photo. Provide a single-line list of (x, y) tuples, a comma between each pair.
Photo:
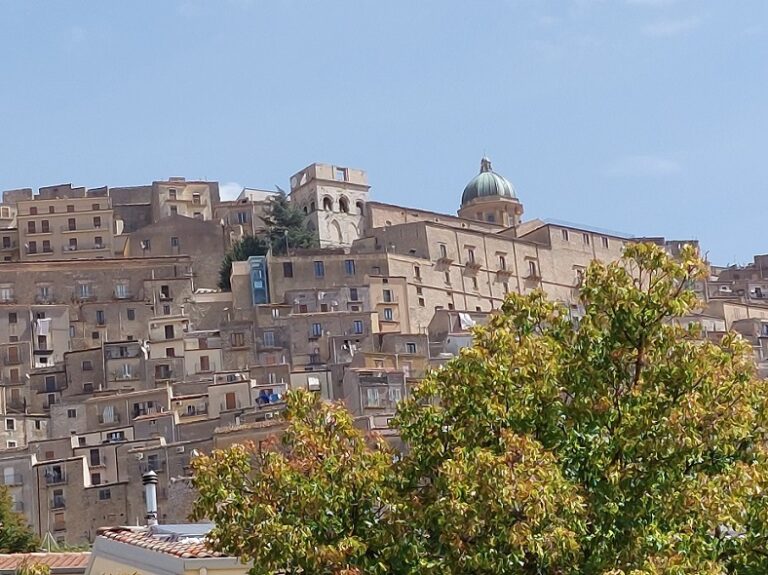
[(487, 184)]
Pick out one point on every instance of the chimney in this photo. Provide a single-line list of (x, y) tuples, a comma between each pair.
[(149, 479)]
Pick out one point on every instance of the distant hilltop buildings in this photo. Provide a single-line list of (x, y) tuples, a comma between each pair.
[(119, 355)]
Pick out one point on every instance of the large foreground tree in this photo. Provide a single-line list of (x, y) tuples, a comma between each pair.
[(16, 536), (621, 443)]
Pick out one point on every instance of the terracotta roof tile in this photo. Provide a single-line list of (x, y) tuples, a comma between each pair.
[(53, 560), (191, 548)]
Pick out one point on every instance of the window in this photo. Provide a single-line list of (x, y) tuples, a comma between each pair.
[(422, 303), (196, 199), (31, 229), (95, 478), (6, 241), (166, 310), (51, 209), (165, 292), (287, 269), (42, 342), (87, 365), (586, 239), (242, 217), (174, 210), (579, 275), (32, 247), (387, 296), (121, 290), (502, 262), (448, 277), (417, 272), (47, 247), (319, 269), (198, 215), (275, 313), (205, 363), (12, 317), (174, 242), (353, 295), (605, 242), (10, 443), (100, 319), (71, 413), (45, 226), (410, 347), (94, 335), (171, 194), (237, 339), (146, 245), (349, 267), (505, 285), (269, 338), (70, 208), (344, 205), (340, 174), (357, 326), (83, 290), (470, 255), (105, 494), (98, 242), (130, 314), (169, 332), (170, 352), (443, 251), (10, 424), (33, 210), (474, 282), (6, 293), (388, 315), (96, 221), (72, 244), (532, 272), (317, 329), (360, 208), (95, 207), (565, 235), (71, 224)]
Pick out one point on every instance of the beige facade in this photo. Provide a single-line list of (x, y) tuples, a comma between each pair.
[(178, 196), (64, 225)]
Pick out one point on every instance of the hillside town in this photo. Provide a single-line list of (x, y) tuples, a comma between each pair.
[(121, 354)]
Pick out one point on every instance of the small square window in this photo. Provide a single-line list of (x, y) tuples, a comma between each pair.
[(287, 269), (71, 413), (12, 317), (10, 424), (87, 365), (174, 242), (130, 314), (95, 335)]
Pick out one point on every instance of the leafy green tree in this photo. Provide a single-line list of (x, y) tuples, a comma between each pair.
[(285, 228), (617, 444), (243, 249), (310, 503), (15, 534)]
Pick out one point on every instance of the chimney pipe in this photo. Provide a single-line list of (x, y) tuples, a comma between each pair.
[(149, 479)]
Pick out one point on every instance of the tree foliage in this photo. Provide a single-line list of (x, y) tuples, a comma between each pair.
[(16, 536), (285, 228), (618, 444)]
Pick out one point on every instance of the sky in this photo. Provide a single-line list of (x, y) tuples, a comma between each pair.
[(648, 117)]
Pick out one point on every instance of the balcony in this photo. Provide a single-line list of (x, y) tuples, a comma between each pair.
[(505, 272), (10, 246), (474, 265), (59, 526), (445, 260), (373, 379), (13, 479), (109, 420), (54, 478), (82, 228)]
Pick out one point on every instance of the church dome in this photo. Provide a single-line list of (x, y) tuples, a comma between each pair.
[(487, 184)]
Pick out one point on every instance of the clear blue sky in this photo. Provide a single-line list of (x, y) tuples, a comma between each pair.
[(646, 116)]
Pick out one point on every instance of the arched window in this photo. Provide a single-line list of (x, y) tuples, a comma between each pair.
[(327, 204), (312, 207), (344, 205), (305, 209), (359, 206)]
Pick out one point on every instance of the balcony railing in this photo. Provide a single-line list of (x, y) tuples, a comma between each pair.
[(82, 227), (59, 526), (55, 479)]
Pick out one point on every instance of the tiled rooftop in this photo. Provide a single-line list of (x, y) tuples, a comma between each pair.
[(186, 548), (11, 562)]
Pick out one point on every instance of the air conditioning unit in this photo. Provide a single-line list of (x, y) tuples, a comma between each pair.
[(269, 415), (139, 456), (180, 449)]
